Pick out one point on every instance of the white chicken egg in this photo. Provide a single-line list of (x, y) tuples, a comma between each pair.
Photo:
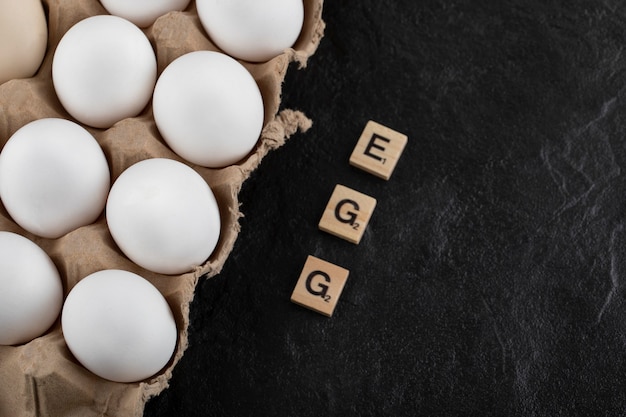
[(23, 38), (208, 108), (163, 216), (54, 177), (143, 13), (119, 326), (31, 292), (104, 70), (252, 30)]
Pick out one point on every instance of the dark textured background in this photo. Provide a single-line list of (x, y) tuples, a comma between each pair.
[(490, 279)]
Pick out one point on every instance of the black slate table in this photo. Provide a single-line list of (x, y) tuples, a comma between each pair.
[(489, 281)]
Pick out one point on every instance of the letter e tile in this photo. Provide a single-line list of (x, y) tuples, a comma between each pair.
[(347, 214), (378, 150), (319, 286)]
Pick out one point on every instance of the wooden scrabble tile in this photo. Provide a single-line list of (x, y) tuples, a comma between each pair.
[(347, 214), (378, 150), (320, 285)]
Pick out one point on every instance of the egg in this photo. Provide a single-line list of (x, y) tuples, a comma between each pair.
[(31, 292), (119, 326), (252, 30), (143, 13), (23, 38), (104, 70), (208, 108), (54, 177), (163, 216)]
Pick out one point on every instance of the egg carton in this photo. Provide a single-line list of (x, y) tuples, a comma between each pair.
[(42, 377)]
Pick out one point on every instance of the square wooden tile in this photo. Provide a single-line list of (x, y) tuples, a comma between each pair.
[(320, 285), (347, 214), (378, 150)]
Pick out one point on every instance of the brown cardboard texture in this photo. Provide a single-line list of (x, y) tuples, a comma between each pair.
[(42, 378)]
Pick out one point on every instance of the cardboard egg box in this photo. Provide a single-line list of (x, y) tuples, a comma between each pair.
[(42, 377)]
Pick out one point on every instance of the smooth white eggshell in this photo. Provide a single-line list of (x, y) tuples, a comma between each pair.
[(252, 30), (208, 108), (54, 177), (104, 70), (119, 326), (23, 38), (143, 13), (163, 216), (31, 292)]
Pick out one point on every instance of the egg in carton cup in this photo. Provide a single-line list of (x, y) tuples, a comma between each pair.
[(42, 376)]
